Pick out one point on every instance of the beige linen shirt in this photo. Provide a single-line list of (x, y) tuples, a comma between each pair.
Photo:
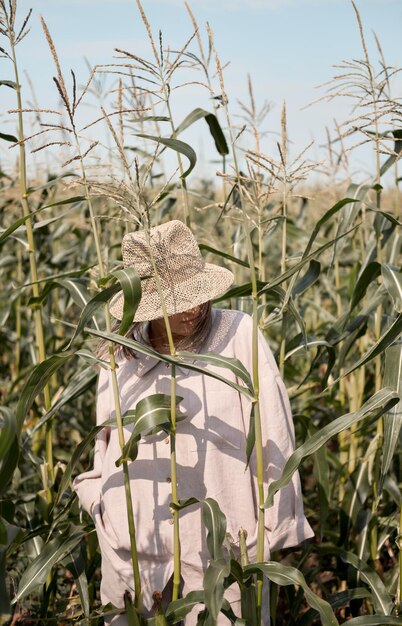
[(211, 458)]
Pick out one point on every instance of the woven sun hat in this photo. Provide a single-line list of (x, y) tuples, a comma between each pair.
[(186, 279)]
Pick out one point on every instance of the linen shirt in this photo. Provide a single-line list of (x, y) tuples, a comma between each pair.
[(211, 462)]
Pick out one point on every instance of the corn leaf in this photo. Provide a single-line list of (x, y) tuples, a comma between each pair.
[(382, 600), (393, 283), (383, 343), (142, 349), (178, 609), (131, 285), (214, 128), (392, 420), (178, 146), (378, 404), (53, 552), (285, 575)]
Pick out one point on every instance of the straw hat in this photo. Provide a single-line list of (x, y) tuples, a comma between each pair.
[(185, 278)]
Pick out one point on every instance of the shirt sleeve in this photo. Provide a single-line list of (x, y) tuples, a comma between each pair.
[(88, 484), (285, 522)]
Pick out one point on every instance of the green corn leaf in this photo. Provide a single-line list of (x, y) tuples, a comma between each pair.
[(21, 220), (382, 600), (75, 563), (285, 575), (100, 299), (383, 343), (224, 255), (131, 285), (215, 523), (305, 259), (79, 382), (375, 620), (9, 448), (142, 349), (250, 443), (393, 157), (152, 412), (178, 609), (9, 138), (178, 146), (213, 124), (133, 618), (5, 604), (325, 218), (349, 214), (309, 278), (127, 280), (8, 83), (368, 276), (378, 404), (8, 430), (40, 376), (228, 611), (38, 570), (214, 579), (393, 284), (339, 600), (8, 465), (392, 420), (233, 364)]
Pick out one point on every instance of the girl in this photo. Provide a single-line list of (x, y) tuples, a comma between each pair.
[(210, 442)]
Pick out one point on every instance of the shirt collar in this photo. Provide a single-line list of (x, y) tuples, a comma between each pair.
[(145, 362)]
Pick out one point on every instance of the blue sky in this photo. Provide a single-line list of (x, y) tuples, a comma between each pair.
[(288, 47)]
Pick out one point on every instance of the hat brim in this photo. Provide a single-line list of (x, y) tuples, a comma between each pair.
[(211, 282)]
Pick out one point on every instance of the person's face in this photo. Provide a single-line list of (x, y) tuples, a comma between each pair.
[(184, 324)]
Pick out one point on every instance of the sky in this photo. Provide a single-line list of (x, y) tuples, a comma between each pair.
[(288, 47)]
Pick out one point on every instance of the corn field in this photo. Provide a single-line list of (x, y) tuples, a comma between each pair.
[(316, 257)]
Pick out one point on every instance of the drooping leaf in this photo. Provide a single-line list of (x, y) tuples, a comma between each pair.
[(367, 276), (393, 283), (152, 412), (382, 600), (178, 609), (375, 620), (177, 146), (75, 563), (8, 83), (131, 285), (310, 277), (392, 420), (79, 382), (384, 342), (36, 383), (378, 404), (305, 259), (349, 213), (285, 575), (217, 360), (142, 349), (9, 138), (8, 430), (213, 124), (53, 552), (214, 579), (224, 255), (215, 523)]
